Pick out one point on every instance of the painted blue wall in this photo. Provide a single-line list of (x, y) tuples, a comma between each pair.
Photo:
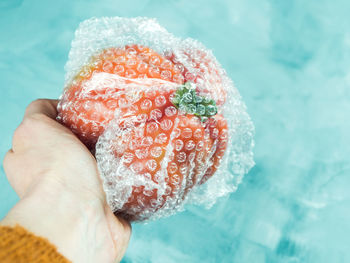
[(290, 61)]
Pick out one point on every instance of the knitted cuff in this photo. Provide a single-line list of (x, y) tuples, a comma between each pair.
[(20, 246)]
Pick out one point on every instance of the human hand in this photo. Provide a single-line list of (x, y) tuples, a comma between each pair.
[(61, 194)]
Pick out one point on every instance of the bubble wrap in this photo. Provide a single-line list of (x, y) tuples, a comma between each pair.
[(164, 121)]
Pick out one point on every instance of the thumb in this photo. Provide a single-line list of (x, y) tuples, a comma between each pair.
[(120, 230)]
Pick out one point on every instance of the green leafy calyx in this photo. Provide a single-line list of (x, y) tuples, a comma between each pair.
[(188, 102)]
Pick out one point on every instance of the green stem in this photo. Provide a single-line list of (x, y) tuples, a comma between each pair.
[(187, 101)]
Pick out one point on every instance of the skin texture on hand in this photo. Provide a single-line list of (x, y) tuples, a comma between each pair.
[(61, 194)]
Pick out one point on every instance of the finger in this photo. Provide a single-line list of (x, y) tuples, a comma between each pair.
[(7, 161), (47, 107), (10, 163), (41, 108)]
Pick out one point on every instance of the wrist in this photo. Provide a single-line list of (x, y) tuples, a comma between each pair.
[(66, 221)]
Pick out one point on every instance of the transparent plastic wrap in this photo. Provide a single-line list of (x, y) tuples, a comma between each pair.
[(164, 121)]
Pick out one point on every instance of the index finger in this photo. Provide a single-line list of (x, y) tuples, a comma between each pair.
[(47, 107)]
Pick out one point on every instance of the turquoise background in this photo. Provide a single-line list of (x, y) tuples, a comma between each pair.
[(290, 61)]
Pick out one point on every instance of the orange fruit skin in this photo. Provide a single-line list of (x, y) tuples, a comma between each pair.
[(196, 152), (197, 148), (204, 69), (133, 62)]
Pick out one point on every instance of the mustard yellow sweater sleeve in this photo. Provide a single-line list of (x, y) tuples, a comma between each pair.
[(17, 245)]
